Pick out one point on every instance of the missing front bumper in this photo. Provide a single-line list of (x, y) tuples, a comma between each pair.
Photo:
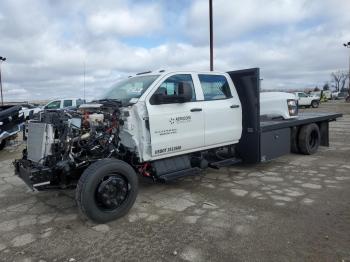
[(36, 178)]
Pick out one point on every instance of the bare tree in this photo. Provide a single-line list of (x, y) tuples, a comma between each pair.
[(344, 77), (337, 78)]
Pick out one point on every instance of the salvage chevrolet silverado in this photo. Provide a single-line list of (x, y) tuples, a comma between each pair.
[(161, 125)]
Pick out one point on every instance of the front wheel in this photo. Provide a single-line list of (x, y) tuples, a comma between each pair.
[(106, 190)]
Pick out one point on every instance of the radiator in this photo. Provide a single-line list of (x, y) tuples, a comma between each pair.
[(40, 140)]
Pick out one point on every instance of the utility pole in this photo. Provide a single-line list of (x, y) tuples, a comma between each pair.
[(84, 77), (348, 46), (2, 59), (211, 35)]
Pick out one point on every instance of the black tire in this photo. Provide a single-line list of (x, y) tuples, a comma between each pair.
[(88, 190), (2, 144), (309, 139), (315, 104)]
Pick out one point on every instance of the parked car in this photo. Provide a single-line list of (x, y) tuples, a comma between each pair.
[(307, 100), (64, 103), (342, 95), (11, 121), (326, 93), (29, 110)]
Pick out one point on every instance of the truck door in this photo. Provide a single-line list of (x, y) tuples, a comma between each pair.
[(222, 110), (175, 125)]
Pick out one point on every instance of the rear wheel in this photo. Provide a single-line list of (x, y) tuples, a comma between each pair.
[(309, 139), (315, 104), (107, 190)]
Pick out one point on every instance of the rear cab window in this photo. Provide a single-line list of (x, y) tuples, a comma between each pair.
[(67, 103), (215, 87)]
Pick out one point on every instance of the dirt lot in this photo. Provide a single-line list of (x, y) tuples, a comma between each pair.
[(296, 208)]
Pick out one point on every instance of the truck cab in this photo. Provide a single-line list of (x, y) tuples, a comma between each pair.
[(64, 103), (183, 113)]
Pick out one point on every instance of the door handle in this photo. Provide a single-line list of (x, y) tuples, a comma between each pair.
[(196, 109), (234, 106)]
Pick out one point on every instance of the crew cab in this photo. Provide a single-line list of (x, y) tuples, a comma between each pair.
[(11, 121), (307, 100), (64, 103), (162, 125)]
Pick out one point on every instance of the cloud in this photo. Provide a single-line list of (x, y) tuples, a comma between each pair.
[(296, 44), (138, 21)]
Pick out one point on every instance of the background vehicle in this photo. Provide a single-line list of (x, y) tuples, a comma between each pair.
[(64, 103), (30, 110), (11, 121), (327, 94), (342, 95), (307, 100), (335, 95), (161, 125), (273, 105)]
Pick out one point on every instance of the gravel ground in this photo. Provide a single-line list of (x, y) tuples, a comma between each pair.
[(295, 208)]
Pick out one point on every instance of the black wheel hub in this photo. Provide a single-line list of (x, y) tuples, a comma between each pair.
[(112, 192)]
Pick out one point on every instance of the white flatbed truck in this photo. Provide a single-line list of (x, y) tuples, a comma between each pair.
[(161, 125)]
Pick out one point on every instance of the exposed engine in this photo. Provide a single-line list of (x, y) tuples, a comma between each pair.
[(63, 143)]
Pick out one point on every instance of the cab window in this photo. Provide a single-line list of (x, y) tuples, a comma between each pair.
[(302, 95), (67, 103), (214, 87), (173, 86), (54, 105)]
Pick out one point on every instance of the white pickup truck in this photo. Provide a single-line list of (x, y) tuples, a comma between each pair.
[(64, 103), (307, 100), (162, 125)]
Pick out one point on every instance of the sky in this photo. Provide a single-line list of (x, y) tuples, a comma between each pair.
[(296, 43)]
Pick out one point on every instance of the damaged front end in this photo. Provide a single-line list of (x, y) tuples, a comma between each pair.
[(61, 144)]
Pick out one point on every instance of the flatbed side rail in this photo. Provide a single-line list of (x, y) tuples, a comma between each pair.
[(303, 119)]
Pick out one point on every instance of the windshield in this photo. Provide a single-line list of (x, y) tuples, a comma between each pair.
[(130, 88)]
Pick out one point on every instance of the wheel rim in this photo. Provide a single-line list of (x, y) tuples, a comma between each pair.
[(313, 141), (112, 191)]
